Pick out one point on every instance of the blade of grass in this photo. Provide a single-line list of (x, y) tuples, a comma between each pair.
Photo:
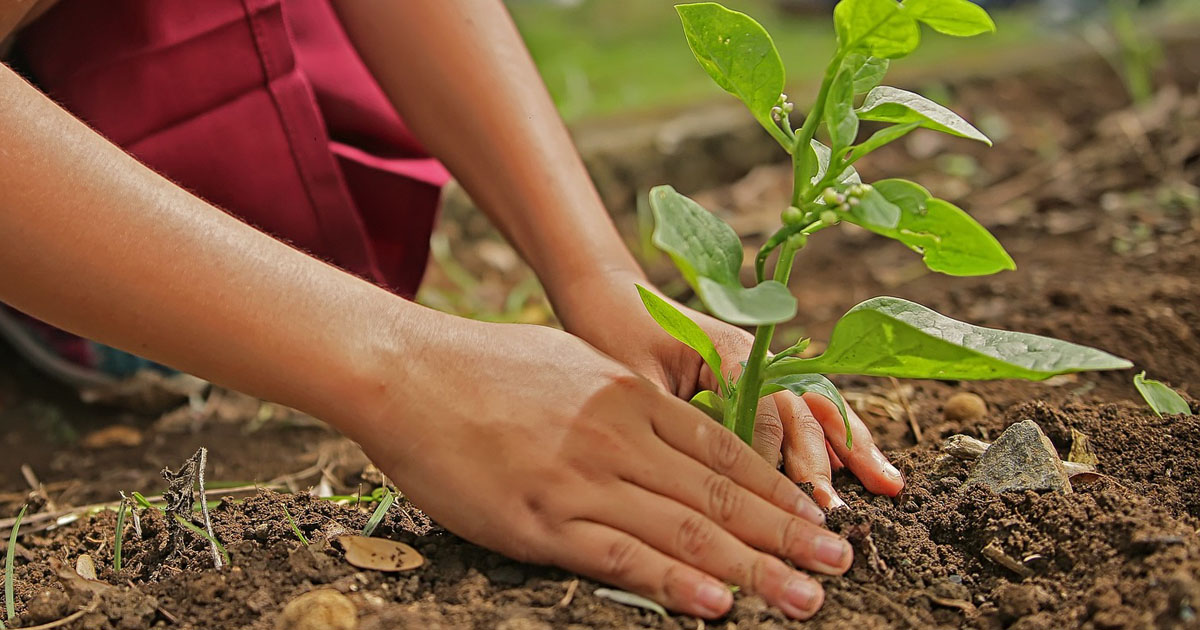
[(9, 601), (120, 535), (380, 511), (295, 528), (141, 500), (199, 531)]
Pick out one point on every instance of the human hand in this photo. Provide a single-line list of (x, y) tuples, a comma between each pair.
[(807, 432), (526, 440)]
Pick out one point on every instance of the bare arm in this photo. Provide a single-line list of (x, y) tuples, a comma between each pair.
[(458, 71)]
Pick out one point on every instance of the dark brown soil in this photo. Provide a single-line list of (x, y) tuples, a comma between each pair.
[(1099, 206)]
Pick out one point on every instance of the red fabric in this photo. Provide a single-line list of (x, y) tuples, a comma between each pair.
[(262, 107)]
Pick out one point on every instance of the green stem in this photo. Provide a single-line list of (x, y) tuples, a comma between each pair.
[(801, 154), (751, 381)]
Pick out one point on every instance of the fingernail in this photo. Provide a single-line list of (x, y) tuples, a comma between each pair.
[(714, 598), (831, 551), (831, 501), (804, 596), (807, 510), (888, 469)]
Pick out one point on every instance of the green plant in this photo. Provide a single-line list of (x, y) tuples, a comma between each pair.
[(199, 531), (10, 604), (295, 528), (883, 336), (385, 503), (119, 537), (1162, 399)]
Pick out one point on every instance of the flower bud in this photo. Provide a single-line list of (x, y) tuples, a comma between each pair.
[(792, 216), (830, 196), (829, 217)]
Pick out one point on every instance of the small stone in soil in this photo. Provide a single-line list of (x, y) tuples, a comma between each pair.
[(506, 575), (322, 609), (1022, 458), (964, 407)]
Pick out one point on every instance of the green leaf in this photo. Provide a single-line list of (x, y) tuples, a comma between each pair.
[(874, 211), (737, 53), (710, 403), (768, 303), (961, 18), (800, 384), (9, 579), (839, 115), (868, 70), (709, 254), (682, 328), (1162, 399), (880, 28), (888, 134), (698, 242), (824, 153), (889, 104), (381, 509), (887, 336), (949, 240)]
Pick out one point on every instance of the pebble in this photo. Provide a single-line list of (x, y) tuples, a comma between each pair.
[(322, 609), (1022, 458), (964, 407)]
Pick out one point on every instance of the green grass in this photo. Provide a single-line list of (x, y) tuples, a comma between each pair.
[(295, 528), (389, 497), (610, 56), (119, 537), (199, 531), (10, 605)]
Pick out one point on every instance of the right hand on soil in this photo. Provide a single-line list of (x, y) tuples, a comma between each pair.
[(528, 441)]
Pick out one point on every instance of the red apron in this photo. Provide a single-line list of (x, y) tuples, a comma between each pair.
[(261, 107)]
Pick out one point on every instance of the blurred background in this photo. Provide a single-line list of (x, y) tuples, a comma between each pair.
[(644, 113)]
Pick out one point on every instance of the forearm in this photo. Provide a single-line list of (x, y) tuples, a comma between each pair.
[(96, 243), (460, 75)]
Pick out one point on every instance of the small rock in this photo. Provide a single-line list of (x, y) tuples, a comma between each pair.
[(964, 407), (322, 609), (1022, 458), (1014, 601), (47, 606), (506, 575)]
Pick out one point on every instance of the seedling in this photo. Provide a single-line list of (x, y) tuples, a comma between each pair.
[(385, 503), (295, 528), (883, 336), (199, 531), (10, 605), (1162, 399), (119, 537)]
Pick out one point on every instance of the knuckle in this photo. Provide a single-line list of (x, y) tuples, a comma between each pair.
[(619, 559), (793, 536), (767, 574), (808, 430), (726, 450), (725, 499), (767, 429), (694, 537)]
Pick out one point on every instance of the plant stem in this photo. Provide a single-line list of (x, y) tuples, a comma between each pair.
[(801, 155), (751, 380)]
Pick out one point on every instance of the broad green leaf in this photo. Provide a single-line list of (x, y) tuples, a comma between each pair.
[(824, 153), (737, 53), (709, 254), (682, 328), (888, 134), (889, 104), (698, 242), (800, 384), (880, 28), (710, 403), (868, 71), (949, 240), (1162, 399), (961, 18), (887, 336), (768, 303), (839, 115), (875, 211)]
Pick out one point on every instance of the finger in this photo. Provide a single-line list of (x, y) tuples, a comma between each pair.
[(864, 459), (805, 457), (694, 434), (740, 516), (614, 557), (689, 536), (835, 463), (768, 432)]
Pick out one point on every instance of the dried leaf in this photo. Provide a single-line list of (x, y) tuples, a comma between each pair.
[(1081, 449), (85, 567), (629, 599), (115, 435), (380, 554)]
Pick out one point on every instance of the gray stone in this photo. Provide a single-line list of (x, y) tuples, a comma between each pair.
[(1022, 458)]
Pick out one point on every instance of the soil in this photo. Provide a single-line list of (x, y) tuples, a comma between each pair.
[(1096, 201)]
